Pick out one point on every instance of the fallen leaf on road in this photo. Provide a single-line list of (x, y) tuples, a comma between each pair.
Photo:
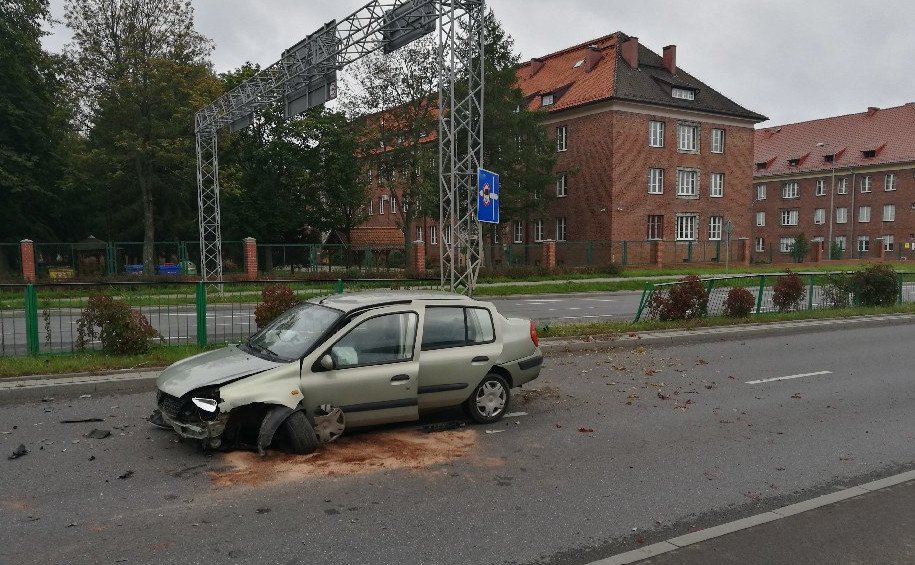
[(796, 395), (586, 430), (662, 396)]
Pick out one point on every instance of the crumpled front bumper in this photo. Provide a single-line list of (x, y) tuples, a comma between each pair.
[(206, 431)]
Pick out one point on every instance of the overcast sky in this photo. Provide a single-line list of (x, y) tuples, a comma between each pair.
[(791, 60)]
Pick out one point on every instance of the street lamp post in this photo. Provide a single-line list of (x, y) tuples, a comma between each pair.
[(832, 193)]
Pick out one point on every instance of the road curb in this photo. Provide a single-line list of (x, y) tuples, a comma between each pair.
[(74, 386), (757, 519)]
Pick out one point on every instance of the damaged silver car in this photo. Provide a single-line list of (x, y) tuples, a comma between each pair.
[(350, 360)]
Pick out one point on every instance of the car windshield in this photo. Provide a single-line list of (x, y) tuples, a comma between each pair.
[(293, 333)]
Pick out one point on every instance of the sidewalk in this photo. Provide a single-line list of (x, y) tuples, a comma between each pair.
[(875, 525)]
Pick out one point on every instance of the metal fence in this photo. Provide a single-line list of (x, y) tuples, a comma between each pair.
[(820, 292), (44, 318)]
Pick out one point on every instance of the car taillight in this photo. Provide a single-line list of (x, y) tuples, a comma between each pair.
[(534, 337)]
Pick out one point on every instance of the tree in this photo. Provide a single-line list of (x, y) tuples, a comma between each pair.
[(800, 247), (32, 123), (141, 71)]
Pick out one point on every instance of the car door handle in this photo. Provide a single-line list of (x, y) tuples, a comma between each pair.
[(480, 359), (400, 378)]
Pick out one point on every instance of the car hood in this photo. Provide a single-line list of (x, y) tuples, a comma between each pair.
[(211, 368)]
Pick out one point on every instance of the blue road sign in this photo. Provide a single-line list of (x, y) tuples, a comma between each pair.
[(488, 197)]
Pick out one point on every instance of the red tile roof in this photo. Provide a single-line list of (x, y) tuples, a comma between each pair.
[(890, 132)]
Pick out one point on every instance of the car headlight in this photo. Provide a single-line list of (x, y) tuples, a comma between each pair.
[(205, 404)]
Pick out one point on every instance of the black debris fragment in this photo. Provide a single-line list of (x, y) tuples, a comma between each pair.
[(92, 458), (82, 420), (443, 427), (126, 474), (263, 510), (98, 434), (19, 452)]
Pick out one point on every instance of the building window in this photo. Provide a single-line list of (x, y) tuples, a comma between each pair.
[(714, 228), (683, 93), (889, 183), (717, 145), (381, 202), (561, 185), (760, 192), (655, 134), (547, 100), (864, 243), (819, 216), (687, 227), (393, 204), (562, 138), (538, 230), (687, 183), (760, 245), (821, 187), (655, 181), (655, 227), (716, 185), (888, 242), (791, 190), (519, 232), (789, 217), (371, 206), (864, 214), (496, 234), (419, 233), (687, 137), (842, 186), (446, 235), (840, 242), (889, 212), (560, 229), (785, 244), (760, 219), (841, 215), (433, 235), (866, 183)]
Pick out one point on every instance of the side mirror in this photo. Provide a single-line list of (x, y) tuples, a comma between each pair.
[(327, 362)]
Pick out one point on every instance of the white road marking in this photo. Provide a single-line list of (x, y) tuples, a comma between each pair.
[(591, 316), (599, 299), (789, 377)]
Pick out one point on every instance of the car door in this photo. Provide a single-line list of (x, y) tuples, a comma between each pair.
[(375, 371), (459, 346)]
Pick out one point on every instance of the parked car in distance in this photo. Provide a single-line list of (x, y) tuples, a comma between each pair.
[(351, 360)]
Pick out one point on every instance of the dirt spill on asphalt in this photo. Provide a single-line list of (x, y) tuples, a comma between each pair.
[(366, 453), (16, 504)]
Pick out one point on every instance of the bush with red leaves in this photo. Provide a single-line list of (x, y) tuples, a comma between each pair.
[(275, 300), (684, 300), (788, 292), (739, 303), (121, 329)]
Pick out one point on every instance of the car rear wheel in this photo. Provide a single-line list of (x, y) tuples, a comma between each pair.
[(298, 433), (489, 400)]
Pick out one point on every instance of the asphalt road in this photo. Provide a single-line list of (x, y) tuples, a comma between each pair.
[(178, 324), (619, 448)]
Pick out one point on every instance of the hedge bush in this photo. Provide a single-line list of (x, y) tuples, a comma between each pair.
[(788, 292), (683, 301), (120, 329), (739, 303), (875, 285)]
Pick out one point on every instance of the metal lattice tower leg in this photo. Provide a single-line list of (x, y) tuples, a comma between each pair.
[(208, 205), (461, 86)]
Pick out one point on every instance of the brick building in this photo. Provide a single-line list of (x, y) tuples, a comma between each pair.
[(645, 150), (848, 177)]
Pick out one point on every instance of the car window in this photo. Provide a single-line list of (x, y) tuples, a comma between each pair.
[(449, 326), (292, 334), (388, 338)]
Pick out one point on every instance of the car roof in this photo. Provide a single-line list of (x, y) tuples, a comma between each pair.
[(350, 301)]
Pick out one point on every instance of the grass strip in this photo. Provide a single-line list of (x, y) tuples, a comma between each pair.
[(92, 361)]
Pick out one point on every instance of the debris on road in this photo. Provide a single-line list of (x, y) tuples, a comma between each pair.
[(515, 414), (157, 420), (494, 431), (85, 396), (796, 395), (126, 474), (442, 427), (586, 430), (82, 420), (98, 434), (263, 510), (18, 452)]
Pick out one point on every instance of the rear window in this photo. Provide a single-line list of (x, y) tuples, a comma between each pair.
[(449, 326)]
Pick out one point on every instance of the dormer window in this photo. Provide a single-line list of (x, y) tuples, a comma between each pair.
[(761, 166), (683, 93), (547, 100), (869, 153), (794, 162), (829, 158)]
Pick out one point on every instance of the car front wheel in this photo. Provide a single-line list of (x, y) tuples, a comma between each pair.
[(489, 400)]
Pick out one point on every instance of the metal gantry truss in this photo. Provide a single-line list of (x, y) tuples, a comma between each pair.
[(306, 76)]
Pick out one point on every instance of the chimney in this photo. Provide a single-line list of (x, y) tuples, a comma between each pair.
[(630, 51), (536, 65), (670, 59), (592, 58), (871, 110)]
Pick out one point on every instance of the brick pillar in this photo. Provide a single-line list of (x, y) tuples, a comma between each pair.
[(657, 253), (548, 254), (250, 258), (818, 252), (27, 254), (745, 251), (419, 257), (881, 252)]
